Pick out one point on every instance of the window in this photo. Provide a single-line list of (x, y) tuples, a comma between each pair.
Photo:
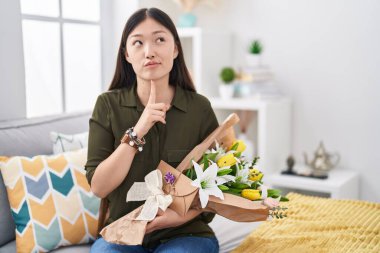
[(62, 54)]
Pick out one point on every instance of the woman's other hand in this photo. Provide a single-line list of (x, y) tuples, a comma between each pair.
[(169, 219), (153, 112), (271, 203)]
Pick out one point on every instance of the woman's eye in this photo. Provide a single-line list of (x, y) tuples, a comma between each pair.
[(137, 43), (160, 39)]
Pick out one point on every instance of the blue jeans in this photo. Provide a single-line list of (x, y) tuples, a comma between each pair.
[(186, 244)]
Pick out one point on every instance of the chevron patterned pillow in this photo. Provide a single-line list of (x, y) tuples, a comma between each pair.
[(50, 200)]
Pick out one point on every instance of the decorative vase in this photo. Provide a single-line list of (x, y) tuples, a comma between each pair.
[(187, 20), (226, 91), (253, 60), (242, 90)]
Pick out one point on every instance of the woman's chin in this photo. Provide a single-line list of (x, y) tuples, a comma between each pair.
[(153, 76)]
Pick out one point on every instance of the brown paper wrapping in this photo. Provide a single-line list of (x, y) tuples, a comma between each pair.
[(128, 231), (237, 208)]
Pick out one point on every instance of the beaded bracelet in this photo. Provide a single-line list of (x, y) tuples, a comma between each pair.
[(130, 137)]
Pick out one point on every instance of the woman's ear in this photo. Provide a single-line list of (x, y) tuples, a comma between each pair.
[(126, 56)]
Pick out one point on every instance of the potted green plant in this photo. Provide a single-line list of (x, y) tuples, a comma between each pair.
[(254, 53), (226, 89)]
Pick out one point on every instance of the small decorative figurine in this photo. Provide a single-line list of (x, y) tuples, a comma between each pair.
[(323, 162), (289, 170)]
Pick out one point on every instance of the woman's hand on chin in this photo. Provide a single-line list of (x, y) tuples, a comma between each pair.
[(153, 112)]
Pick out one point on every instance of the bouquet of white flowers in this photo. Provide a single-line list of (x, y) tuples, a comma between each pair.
[(213, 177)]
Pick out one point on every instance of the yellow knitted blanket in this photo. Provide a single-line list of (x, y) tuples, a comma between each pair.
[(318, 225)]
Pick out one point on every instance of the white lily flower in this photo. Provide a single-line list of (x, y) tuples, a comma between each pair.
[(211, 151), (206, 182), (225, 178), (264, 191), (217, 149), (242, 176)]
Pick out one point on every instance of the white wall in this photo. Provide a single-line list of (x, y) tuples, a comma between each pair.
[(114, 16), (12, 76), (326, 57)]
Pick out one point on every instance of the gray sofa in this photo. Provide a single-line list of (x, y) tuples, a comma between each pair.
[(29, 138)]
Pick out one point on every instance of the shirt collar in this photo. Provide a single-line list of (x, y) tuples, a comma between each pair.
[(129, 98)]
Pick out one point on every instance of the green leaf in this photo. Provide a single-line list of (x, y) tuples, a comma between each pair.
[(234, 191), (234, 170), (255, 160), (224, 172), (254, 185), (237, 154), (239, 185), (273, 192), (284, 199), (235, 146), (212, 156), (223, 187), (205, 162), (188, 173)]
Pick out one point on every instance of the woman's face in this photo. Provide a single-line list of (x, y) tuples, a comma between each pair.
[(151, 50)]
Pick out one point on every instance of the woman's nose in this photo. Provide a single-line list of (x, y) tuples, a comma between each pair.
[(149, 51)]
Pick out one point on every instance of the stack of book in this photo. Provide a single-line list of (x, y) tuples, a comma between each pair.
[(255, 74), (256, 82)]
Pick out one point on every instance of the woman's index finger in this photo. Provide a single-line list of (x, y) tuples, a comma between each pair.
[(152, 95)]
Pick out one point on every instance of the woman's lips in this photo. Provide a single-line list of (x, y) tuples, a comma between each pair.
[(151, 64)]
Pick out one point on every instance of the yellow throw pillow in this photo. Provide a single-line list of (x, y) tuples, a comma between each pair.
[(51, 202), (3, 158)]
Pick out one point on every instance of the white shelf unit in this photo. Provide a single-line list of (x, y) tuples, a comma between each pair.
[(270, 129), (206, 53)]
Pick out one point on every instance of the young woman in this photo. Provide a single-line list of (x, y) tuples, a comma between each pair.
[(151, 112)]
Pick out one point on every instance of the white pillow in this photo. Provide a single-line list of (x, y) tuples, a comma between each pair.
[(68, 142), (230, 233)]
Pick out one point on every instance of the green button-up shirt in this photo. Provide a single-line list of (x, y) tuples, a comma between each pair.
[(189, 121)]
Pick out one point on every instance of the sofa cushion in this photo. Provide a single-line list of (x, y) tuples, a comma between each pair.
[(85, 248), (68, 142), (9, 247), (51, 201), (7, 226), (30, 137)]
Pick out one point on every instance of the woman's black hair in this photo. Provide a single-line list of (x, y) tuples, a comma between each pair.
[(124, 74)]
